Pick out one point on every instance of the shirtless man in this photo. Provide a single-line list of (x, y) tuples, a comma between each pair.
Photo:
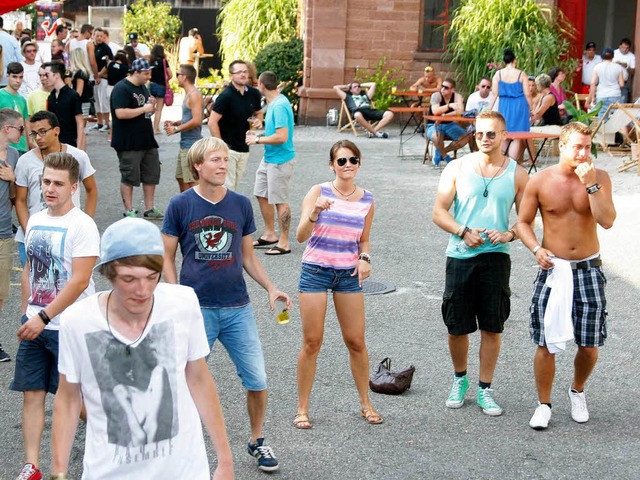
[(429, 82), (574, 198)]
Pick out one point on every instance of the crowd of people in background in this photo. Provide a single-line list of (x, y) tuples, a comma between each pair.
[(44, 108)]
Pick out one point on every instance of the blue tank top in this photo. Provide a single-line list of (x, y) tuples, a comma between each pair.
[(473, 209), (191, 136)]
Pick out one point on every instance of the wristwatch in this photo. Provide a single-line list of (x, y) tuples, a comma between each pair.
[(593, 188)]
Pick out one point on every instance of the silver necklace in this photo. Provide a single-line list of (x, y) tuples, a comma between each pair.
[(344, 195), (485, 194), (127, 347)]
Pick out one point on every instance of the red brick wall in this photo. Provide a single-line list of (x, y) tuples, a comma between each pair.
[(344, 35)]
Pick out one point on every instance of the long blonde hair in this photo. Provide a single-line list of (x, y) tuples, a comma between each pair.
[(79, 61)]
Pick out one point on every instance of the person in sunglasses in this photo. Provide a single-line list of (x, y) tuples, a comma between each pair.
[(358, 102), (335, 222), (445, 103), (482, 187)]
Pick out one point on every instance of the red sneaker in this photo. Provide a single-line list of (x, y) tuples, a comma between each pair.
[(29, 472)]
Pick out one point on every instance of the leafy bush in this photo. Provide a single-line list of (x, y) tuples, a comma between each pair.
[(482, 29), (247, 26), (153, 23), (285, 60), (385, 79)]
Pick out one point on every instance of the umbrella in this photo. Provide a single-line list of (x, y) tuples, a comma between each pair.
[(11, 5)]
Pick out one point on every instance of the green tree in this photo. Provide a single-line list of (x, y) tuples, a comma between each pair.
[(247, 26), (385, 78), (482, 29), (285, 60), (153, 23)]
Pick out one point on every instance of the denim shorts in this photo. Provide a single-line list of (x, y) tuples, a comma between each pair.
[(157, 90), (237, 331), (37, 363), (314, 279)]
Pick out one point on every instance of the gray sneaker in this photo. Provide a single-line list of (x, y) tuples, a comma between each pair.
[(153, 214)]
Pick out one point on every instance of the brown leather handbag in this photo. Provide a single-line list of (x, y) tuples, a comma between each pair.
[(388, 382)]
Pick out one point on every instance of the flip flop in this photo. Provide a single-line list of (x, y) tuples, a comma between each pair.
[(261, 242), (277, 251), (302, 422), (371, 416)]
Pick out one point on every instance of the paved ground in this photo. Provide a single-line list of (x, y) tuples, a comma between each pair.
[(420, 438)]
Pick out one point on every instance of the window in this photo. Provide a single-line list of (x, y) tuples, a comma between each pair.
[(435, 24)]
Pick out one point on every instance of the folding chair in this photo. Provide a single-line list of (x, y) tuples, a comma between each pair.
[(617, 116), (580, 99), (346, 120)]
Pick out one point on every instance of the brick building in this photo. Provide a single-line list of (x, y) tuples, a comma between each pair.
[(344, 35)]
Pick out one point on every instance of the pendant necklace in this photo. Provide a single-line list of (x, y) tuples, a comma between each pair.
[(345, 196), (127, 347), (42, 154), (485, 194)]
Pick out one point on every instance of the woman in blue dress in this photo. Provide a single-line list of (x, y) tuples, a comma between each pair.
[(511, 86)]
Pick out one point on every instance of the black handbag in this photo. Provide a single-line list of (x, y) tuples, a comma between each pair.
[(388, 382)]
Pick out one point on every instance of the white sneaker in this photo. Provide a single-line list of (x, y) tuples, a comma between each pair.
[(579, 411), (104, 128), (541, 417)]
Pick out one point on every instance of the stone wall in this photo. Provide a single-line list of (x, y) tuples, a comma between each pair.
[(355, 34)]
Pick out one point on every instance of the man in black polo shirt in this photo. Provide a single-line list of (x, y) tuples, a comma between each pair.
[(102, 54), (66, 104), (133, 140), (229, 120)]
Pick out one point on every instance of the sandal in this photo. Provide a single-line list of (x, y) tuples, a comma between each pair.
[(301, 421), (371, 416)]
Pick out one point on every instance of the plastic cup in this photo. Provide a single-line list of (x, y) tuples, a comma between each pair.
[(251, 121), (394, 89), (282, 313)]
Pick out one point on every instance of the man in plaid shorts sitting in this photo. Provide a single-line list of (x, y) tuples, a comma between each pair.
[(568, 301)]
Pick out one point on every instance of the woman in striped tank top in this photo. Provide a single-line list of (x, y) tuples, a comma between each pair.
[(336, 220)]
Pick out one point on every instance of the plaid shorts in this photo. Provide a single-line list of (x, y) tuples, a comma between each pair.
[(589, 312)]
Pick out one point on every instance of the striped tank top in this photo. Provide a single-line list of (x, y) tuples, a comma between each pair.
[(335, 238)]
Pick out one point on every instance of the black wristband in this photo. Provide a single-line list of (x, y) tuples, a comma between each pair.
[(593, 188), (45, 318)]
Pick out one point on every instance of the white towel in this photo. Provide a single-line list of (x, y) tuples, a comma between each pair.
[(558, 326)]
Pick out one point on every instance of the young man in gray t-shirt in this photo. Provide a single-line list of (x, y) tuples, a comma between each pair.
[(11, 128)]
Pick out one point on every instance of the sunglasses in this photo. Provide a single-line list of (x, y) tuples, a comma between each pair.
[(446, 87), (343, 161), (485, 86), (20, 128), (489, 135)]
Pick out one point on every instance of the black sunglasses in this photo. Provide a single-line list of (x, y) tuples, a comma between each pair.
[(446, 87), (343, 161), (490, 135)]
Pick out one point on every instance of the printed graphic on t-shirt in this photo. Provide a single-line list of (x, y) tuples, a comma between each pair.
[(138, 389), (213, 236), (45, 250), (361, 101)]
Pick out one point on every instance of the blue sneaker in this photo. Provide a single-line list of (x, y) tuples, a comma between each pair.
[(267, 461)]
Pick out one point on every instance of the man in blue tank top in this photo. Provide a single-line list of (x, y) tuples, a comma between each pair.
[(189, 126), (482, 187)]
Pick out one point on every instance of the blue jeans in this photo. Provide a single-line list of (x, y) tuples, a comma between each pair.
[(448, 130), (314, 278), (606, 101), (237, 331)]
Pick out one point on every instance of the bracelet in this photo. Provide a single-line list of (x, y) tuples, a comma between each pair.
[(593, 188), (257, 139), (465, 231), (536, 248), (365, 256), (43, 315), (58, 476), (312, 221), (512, 232), (460, 230)]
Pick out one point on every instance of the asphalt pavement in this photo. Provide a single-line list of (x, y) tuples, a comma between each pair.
[(420, 438)]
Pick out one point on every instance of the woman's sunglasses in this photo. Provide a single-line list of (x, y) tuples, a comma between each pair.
[(343, 161)]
